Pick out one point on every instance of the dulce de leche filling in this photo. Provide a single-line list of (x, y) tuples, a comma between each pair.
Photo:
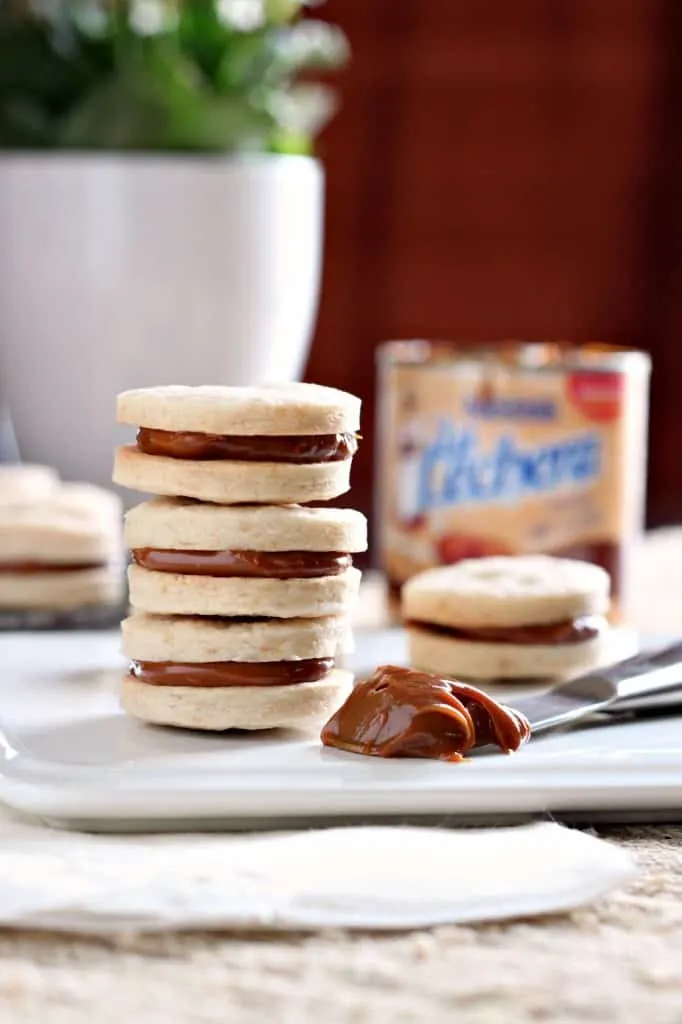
[(33, 568), (183, 444), (278, 565), (400, 712), (231, 673), (573, 631)]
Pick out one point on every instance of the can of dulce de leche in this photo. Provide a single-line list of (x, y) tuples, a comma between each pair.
[(510, 449)]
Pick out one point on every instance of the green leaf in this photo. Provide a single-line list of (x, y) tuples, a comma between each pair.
[(281, 11), (202, 35), (163, 74), (246, 62), (28, 65), (291, 143), (24, 124), (268, 59), (157, 104)]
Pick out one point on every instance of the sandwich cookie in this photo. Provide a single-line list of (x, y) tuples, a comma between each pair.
[(62, 552), (267, 445), (524, 617), (261, 560), (218, 674)]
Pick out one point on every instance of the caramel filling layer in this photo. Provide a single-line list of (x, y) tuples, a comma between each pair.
[(400, 712), (34, 568), (231, 673), (184, 444), (574, 631), (278, 565)]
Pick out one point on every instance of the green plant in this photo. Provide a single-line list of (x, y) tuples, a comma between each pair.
[(207, 75)]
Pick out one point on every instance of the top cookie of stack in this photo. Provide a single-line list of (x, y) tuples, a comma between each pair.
[(231, 445)]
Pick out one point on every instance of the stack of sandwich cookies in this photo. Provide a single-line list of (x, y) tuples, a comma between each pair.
[(239, 594), (275, 561), (62, 551), (219, 674), (267, 445), (515, 618)]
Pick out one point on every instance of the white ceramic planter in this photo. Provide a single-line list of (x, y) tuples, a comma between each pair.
[(119, 272)]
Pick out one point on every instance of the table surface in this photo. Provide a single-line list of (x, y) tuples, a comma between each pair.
[(619, 960)]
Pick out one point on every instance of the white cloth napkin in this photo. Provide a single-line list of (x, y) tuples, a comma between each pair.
[(356, 877)]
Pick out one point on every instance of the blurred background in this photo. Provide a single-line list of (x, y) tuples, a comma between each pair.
[(508, 170), (495, 170)]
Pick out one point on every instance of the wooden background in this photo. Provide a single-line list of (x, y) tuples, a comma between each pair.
[(508, 168)]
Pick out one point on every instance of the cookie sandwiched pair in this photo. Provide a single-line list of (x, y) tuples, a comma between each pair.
[(240, 593), (218, 674), (61, 544), (267, 445), (508, 618), (277, 561)]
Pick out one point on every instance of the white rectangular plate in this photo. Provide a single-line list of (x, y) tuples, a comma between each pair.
[(69, 755)]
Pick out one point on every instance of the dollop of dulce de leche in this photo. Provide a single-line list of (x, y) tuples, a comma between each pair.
[(400, 712), (185, 444)]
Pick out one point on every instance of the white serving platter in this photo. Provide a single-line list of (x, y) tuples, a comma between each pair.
[(69, 756)]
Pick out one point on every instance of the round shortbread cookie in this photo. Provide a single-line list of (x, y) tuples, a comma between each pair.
[(63, 590), (279, 409), (88, 501), (197, 640), (167, 593), (75, 523), (26, 483), (506, 591), (180, 524), (301, 706), (472, 660), (231, 483)]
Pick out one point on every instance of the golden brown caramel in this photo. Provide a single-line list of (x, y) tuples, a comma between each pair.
[(183, 444), (573, 631), (277, 565), (400, 712), (231, 673), (30, 568)]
